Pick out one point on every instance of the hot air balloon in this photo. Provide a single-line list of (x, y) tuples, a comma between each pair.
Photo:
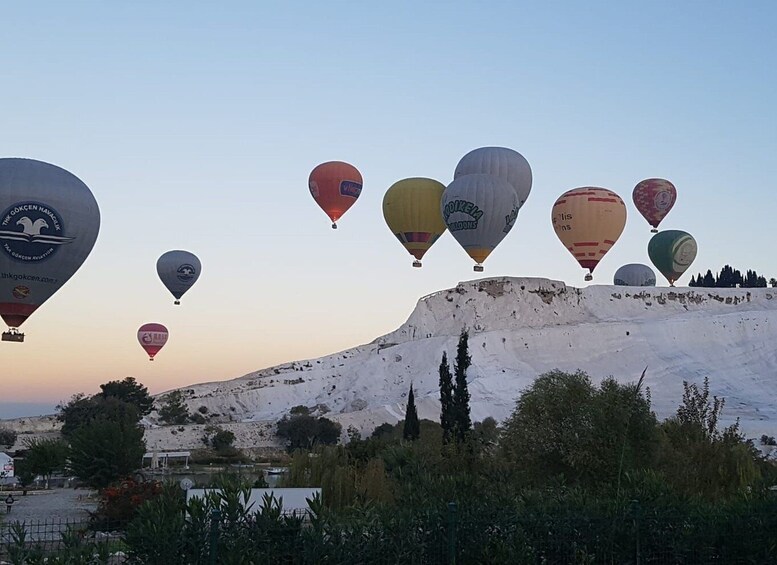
[(411, 208), (152, 338), (672, 252), (49, 221), (589, 221), (654, 198), (335, 186), (502, 162), (179, 270), (635, 274), (479, 210)]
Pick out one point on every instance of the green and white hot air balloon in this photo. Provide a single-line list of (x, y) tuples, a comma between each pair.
[(49, 222), (672, 252)]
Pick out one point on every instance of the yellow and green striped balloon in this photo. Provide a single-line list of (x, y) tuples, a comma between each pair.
[(411, 208)]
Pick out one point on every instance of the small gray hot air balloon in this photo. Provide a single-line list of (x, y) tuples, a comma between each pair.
[(49, 222), (179, 270), (635, 274)]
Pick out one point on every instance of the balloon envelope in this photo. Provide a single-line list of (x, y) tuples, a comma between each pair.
[(588, 221), (335, 186), (49, 222), (152, 338), (635, 274), (411, 208), (501, 162), (479, 210), (654, 199), (178, 270), (672, 252)]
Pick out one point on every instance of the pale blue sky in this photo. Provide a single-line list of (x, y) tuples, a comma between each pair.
[(196, 125)]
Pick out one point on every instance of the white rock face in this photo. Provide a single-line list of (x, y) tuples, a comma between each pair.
[(519, 328)]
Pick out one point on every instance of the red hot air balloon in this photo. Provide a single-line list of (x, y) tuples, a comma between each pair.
[(335, 186), (152, 338), (653, 199)]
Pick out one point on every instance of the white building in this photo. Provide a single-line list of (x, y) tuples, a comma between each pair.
[(6, 466)]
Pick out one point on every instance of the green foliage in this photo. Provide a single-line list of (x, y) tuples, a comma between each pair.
[(106, 449), (412, 427), (447, 418), (7, 437), (383, 429), (724, 464), (24, 473), (305, 431), (81, 411), (222, 441), (45, 456), (462, 424), (563, 426), (174, 410), (131, 392)]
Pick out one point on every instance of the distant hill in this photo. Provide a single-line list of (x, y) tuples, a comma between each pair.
[(519, 328)]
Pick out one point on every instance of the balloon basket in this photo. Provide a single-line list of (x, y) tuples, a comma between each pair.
[(478, 268), (334, 226), (654, 230), (13, 335), (589, 277), (416, 263), (150, 358), (177, 302)]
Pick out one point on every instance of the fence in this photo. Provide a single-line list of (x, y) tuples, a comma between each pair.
[(446, 536)]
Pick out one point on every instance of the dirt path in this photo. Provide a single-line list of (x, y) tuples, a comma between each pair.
[(55, 505)]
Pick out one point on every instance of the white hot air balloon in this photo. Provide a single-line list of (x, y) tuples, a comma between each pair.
[(479, 210), (49, 222), (179, 270), (502, 162), (635, 274)]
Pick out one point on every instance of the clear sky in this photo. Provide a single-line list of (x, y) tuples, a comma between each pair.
[(196, 124)]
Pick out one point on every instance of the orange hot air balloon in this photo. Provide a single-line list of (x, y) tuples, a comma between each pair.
[(335, 186), (589, 221)]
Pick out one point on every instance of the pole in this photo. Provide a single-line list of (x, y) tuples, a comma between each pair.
[(452, 510), (213, 556)]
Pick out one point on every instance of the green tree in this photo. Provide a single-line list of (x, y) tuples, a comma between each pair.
[(446, 399), (461, 413), (724, 464), (107, 449), (7, 437), (709, 280), (131, 392), (45, 456), (304, 431), (222, 441), (174, 409), (23, 474), (412, 428), (563, 426), (773, 282)]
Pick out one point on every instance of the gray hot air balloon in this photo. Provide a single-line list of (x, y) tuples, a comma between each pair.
[(49, 222), (635, 274), (479, 210), (179, 270), (502, 162)]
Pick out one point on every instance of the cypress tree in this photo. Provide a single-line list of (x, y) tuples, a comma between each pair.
[(412, 428), (693, 281), (446, 399), (709, 280), (462, 422)]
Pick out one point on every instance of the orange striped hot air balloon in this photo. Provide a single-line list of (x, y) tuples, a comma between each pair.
[(589, 221), (335, 186)]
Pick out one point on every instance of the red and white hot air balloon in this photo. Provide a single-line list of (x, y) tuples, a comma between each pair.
[(152, 338), (654, 199)]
